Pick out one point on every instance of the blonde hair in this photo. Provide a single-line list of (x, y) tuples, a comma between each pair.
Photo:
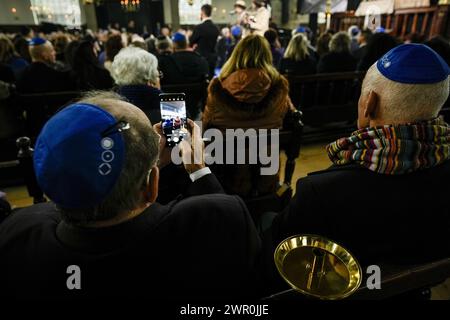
[(297, 48), (252, 52)]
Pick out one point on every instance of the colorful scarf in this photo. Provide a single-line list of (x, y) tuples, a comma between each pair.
[(395, 149)]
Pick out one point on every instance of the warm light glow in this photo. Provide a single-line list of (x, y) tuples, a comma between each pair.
[(13, 10)]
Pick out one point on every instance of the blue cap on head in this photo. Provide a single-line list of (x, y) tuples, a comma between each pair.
[(37, 41), (413, 64), (301, 30), (178, 37), (236, 31), (79, 155), (380, 30)]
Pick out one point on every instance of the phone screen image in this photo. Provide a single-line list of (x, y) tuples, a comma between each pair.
[(173, 117)]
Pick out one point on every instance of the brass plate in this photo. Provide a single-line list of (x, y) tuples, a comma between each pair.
[(318, 267)]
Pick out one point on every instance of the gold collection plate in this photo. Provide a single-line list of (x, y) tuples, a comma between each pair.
[(318, 267)]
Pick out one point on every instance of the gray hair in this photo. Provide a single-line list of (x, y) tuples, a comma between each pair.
[(134, 66), (142, 152), (406, 103), (340, 42)]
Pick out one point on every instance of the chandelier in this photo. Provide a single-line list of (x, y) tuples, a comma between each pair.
[(130, 5)]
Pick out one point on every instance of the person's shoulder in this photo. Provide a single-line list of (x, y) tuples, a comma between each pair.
[(210, 207), (28, 219)]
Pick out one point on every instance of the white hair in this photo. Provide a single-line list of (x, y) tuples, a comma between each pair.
[(132, 66), (405, 103)]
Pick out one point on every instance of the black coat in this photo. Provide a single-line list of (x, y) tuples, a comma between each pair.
[(202, 246), (336, 62), (402, 219), (205, 36), (299, 68), (183, 67), (145, 98), (398, 220), (39, 77)]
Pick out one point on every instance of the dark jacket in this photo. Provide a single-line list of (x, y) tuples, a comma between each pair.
[(145, 98), (360, 52), (401, 219), (299, 68), (202, 246), (39, 77), (91, 78), (336, 62), (183, 67), (205, 36)]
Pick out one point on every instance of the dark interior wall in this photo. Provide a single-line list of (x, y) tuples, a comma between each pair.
[(150, 15)]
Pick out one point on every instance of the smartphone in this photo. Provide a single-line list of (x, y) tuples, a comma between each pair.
[(173, 117)]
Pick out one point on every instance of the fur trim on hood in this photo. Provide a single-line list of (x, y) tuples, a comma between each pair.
[(247, 99)]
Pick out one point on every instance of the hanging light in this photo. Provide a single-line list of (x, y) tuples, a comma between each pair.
[(130, 5)]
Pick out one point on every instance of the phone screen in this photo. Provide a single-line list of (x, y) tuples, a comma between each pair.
[(173, 117)]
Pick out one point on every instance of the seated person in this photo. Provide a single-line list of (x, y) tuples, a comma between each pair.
[(86, 70), (297, 59), (96, 160), (41, 75), (249, 93), (164, 46), (386, 196), (339, 59), (271, 36), (183, 66), (10, 58), (135, 72)]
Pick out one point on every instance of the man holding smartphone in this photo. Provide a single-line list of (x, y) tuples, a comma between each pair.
[(97, 161)]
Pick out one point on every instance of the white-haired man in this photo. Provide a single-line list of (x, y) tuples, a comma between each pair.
[(386, 196), (41, 75), (136, 74)]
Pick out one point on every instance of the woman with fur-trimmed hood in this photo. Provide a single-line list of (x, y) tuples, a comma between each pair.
[(249, 93)]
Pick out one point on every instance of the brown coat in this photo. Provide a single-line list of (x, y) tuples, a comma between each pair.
[(246, 99)]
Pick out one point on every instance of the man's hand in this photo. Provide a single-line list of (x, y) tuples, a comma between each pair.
[(193, 153), (164, 151)]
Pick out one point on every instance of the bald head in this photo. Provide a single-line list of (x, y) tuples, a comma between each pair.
[(43, 53), (385, 102)]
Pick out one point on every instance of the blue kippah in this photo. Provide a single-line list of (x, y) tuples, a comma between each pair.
[(414, 64), (380, 30), (301, 29), (236, 31), (178, 37), (37, 41), (79, 155)]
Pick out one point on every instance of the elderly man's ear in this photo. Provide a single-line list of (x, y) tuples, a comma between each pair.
[(371, 105), (368, 109), (151, 189)]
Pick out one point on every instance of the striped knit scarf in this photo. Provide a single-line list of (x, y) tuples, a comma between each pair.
[(395, 149)]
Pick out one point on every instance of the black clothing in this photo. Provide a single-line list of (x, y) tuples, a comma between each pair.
[(360, 52), (145, 98), (336, 62), (183, 67), (92, 78), (39, 77), (299, 68), (201, 246), (398, 219), (205, 36)]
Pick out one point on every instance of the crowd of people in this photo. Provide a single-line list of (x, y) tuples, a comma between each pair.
[(102, 160)]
